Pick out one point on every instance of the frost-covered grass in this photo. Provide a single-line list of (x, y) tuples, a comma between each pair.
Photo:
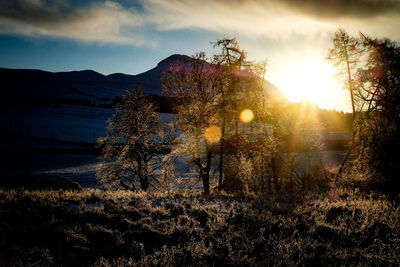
[(123, 228)]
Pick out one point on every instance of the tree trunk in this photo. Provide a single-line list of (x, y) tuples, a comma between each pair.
[(353, 142), (206, 173), (206, 185), (350, 85), (205, 178), (354, 119), (221, 156), (144, 183)]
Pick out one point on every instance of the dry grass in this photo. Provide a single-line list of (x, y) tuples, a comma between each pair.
[(122, 228)]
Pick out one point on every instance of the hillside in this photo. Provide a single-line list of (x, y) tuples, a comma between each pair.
[(24, 86)]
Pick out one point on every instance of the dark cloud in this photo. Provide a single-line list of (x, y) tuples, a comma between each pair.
[(328, 9), (37, 12)]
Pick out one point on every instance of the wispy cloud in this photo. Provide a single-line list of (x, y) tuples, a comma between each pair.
[(245, 17), (129, 23), (102, 22), (276, 18)]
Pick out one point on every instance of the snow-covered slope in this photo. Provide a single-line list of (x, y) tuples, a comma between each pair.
[(66, 105), (71, 123)]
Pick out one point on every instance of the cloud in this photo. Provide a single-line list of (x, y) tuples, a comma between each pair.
[(274, 18), (229, 17), (101, 22), (136, 20), (329, 9)]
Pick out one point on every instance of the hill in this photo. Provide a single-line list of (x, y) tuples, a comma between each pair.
[(25, 86)]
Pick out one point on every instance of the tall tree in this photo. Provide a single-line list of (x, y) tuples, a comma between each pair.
[(192, 86), (238, 87), (210, 96), (130, 147), (345, 55), (379, 90)]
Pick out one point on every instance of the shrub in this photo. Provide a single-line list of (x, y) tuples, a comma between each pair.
[(238, 173)]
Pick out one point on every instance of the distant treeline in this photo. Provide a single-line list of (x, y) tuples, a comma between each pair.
[(335, 121)]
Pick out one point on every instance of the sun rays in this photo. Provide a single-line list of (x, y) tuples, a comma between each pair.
[(312, 80)]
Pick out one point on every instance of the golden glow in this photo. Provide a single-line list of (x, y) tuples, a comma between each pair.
[(311, 79), (246, 115), (213, 134)]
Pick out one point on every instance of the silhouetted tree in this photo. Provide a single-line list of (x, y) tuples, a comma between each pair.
[(131, 144), (373, 70), (379, 91)]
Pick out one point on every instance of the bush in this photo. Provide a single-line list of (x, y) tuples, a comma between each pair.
[(315, 179), (238, 173)]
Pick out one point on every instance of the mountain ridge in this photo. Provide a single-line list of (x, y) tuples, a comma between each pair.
[(28, 86)]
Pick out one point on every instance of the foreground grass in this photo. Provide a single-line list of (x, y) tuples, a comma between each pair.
[(120, 228)]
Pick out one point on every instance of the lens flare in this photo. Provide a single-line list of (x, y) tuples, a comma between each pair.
[(246, 115), (213, 134)]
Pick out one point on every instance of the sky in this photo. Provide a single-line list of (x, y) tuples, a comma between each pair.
[(132, 36)]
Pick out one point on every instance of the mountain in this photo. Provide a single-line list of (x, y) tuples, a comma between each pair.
[(24, 86)]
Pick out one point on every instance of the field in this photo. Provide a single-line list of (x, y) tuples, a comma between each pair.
[(57, 214), (122, 228)]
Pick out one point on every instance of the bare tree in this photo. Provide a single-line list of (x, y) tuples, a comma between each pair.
[(210, 97), (192, 85), (345, 55), (238, 87), (132, 141)]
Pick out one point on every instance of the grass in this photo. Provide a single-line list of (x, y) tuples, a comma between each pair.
[(122, 228)]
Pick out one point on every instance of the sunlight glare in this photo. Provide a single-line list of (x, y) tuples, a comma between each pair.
[(246, 116), (311, 80)]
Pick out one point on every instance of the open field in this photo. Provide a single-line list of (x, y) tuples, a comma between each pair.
[(122, 228)]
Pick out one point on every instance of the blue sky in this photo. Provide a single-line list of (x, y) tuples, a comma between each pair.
[(55, 54), (131, 36)]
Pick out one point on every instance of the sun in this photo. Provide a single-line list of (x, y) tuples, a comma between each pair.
[(311, 80)]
